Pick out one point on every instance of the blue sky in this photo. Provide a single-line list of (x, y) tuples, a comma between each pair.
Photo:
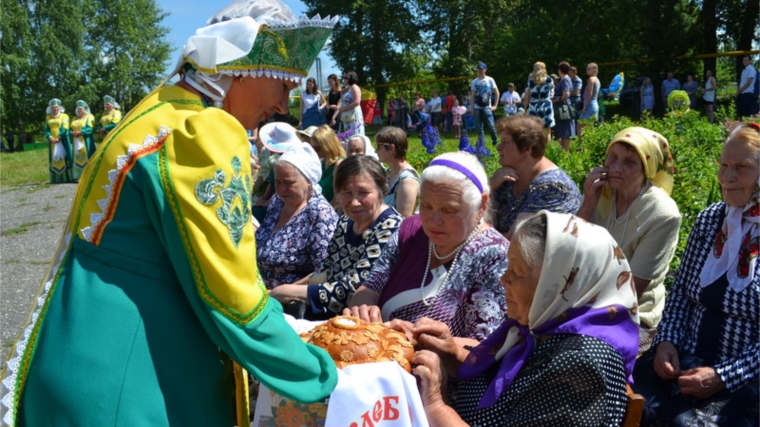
[(187, 16)]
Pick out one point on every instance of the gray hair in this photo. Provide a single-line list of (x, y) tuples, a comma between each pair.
[(531, 234), (470, 193)]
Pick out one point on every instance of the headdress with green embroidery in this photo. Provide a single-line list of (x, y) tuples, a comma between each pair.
[(82, 104), (55, 102), (108, 99), (256, 38)]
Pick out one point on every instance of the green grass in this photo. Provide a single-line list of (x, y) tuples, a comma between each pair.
[(21, 229), (26, 167)]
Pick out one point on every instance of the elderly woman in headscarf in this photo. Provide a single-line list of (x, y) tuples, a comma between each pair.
[(82, 139), (292, 240), (704, 367), (360, 145), (152, 293), (567, 349), (59, 150), (111, 116), (630, 197)]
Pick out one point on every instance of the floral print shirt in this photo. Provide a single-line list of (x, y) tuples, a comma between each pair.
[(300, 246), (552, 190)]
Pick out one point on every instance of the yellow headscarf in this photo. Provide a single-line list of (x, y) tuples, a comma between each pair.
[(654, 152)]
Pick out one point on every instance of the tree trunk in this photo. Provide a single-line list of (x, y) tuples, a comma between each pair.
[(709, 34)]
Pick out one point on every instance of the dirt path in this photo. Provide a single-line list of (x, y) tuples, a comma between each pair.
[(32, 218)]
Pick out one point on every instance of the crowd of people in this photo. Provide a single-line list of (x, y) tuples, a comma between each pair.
[(529, 302)]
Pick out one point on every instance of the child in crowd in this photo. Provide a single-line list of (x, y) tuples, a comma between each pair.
[(456, 122)]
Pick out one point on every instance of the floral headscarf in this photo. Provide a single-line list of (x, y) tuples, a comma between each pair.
[(736, 247), (654, 151), (586, 288)]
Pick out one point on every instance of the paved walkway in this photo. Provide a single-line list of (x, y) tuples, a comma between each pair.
[(31, 222)]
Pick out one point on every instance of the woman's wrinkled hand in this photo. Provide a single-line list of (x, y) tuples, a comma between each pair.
[(369, 313), (700, 382), (427, 369), (666, 361), (594, 183), (435, 336), (406, 328)]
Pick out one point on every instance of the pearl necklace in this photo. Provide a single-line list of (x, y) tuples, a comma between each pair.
[(612, 216), (457, 251)]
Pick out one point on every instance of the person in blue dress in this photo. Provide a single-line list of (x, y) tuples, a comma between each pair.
[(312, 105), (537, 101), (527, 181)]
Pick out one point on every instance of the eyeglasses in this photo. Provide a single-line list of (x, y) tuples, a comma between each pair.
[(384, 144)]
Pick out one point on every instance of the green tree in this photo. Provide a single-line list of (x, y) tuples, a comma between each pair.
[(373, 38), (77, 49)]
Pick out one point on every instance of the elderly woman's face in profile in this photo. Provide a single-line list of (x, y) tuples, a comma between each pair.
[(355, 147), (624, 167), (251, 100), (520, 283), (291, 186), (446, 218), (739, 172)]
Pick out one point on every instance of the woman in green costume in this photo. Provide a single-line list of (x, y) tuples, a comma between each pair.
[(110, 117), (81, 138), (151, 294), (59, 149)]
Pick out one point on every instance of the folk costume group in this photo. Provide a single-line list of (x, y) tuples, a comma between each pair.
[(151, 305), (73, 141)]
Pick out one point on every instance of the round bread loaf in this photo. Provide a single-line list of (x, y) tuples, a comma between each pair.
[(350, 340)]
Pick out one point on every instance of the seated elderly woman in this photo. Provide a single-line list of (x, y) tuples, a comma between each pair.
[(563, 356), (704, 367), (630, 197), (292, 240), (444, 263), (362, 234), (403, 179), (360, 145), (527, 182)]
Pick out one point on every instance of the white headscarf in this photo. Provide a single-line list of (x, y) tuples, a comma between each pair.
[(305, 159)]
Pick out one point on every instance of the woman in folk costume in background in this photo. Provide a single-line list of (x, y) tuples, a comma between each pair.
[(152, 292), (110, 117), (57, 133), (81, 137)]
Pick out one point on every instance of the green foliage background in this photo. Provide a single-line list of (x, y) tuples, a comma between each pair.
[(77, 49)]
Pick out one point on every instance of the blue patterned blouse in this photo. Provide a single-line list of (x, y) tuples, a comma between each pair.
[(349, 261), (300, 246), (552, 190)]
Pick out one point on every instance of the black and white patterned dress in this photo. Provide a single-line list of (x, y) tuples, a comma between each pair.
[(568, 380), (349, 260), (712, 326)]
